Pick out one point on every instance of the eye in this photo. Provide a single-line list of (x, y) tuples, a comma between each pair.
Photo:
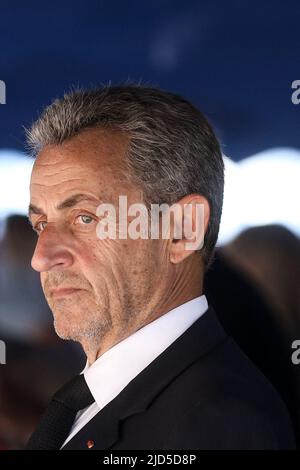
[(39, 227), (84, 219)]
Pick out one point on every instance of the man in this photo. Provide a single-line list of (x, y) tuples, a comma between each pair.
[(161, 373)]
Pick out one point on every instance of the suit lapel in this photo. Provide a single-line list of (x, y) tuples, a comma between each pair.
[(103, 430)]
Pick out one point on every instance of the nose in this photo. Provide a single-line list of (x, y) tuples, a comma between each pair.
[(51, 251)]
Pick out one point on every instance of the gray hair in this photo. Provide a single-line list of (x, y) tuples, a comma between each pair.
[(172, 152)]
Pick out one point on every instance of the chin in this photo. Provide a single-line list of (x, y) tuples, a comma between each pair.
[(67, 323), (77, 328), (65, 330)]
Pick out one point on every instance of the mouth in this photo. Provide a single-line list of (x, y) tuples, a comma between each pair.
[(62, 292)]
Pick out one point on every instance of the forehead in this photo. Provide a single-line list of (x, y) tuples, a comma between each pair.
[(90, 149), (91, 157)]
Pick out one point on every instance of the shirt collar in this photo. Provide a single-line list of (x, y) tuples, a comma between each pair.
[(113, 371)]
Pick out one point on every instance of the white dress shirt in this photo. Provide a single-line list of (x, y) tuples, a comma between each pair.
[(118, 366)]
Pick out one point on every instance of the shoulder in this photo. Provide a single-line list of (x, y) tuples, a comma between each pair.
[(226, 403), (229, 423)]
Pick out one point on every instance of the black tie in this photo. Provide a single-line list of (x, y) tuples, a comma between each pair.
[(59, 416)]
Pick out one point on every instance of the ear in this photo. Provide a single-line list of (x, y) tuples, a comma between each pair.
[(189, 223)]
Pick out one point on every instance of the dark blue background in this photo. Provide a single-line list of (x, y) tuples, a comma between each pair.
[(236, 60)]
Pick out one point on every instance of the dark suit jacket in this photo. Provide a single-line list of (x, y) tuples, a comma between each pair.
[(202, 392)]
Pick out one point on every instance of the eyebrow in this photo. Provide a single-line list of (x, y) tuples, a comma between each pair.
[(67, 203)]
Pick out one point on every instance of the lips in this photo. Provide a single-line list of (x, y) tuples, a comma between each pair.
[(63, 291)]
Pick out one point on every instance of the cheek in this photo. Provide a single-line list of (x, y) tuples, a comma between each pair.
[(99, 259), (120, 263), (143, 258)]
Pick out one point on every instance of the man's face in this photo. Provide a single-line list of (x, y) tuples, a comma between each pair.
[(98, 290)]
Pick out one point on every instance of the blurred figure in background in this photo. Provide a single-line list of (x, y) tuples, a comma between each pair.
[(270, 257), (258, 274), (32, 348), (24, 313)]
